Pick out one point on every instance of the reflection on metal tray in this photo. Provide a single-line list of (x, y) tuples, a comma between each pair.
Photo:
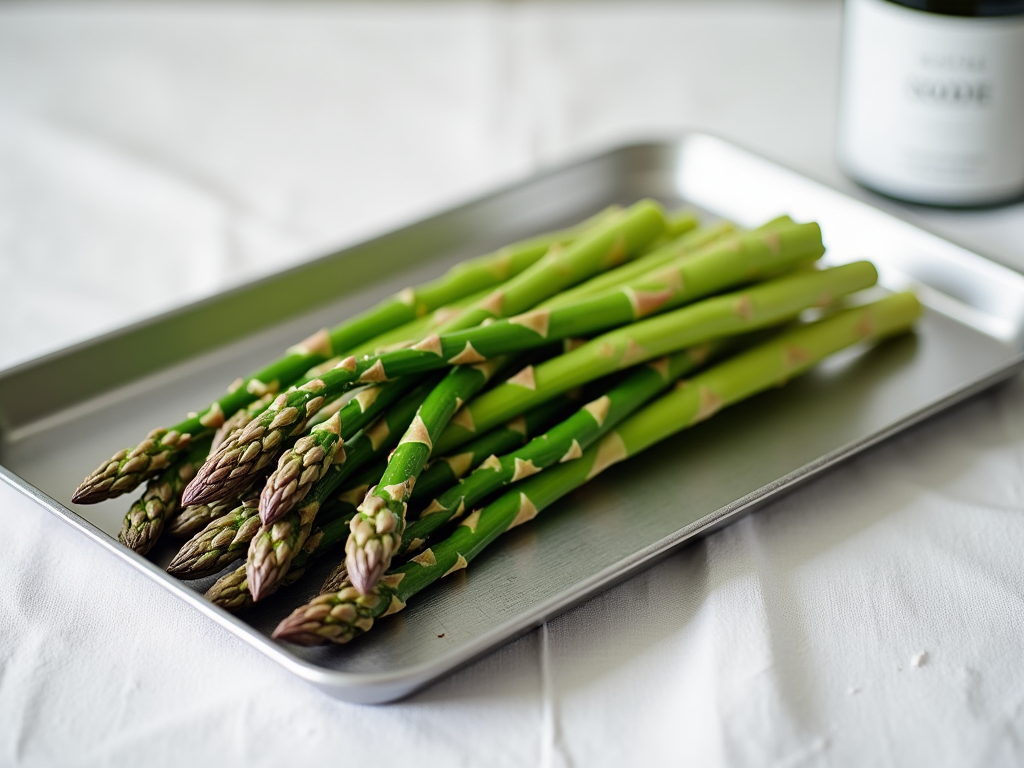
[(116, 388)]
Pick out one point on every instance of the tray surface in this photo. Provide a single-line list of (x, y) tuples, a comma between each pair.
[(969, 338)]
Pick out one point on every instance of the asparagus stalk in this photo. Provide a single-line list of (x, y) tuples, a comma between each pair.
[(412, 332), (377, 529), (448, 470), (146, 518), (340, 616), (564, 442), (706, 242), (762, 305), (126, 469), (618, 238), (247, 451), (686, 244)]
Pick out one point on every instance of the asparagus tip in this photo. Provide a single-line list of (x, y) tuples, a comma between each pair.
[(262, 575), (298, 629), (141, 538), (231, 591), (273, 503), (365, 572), (87, 493)]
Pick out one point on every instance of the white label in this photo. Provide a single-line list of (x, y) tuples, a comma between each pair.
[(933, 106)]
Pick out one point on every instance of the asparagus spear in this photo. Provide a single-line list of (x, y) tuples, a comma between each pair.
[(147, 517), (621, 236), (126, 469), (609, 243), (219, 544), (448, 470), (708, 243), (340, 616), (762, 305), (686, 244), (298, 468), (377, 528)]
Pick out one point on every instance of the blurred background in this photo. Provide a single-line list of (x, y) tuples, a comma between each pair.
[(153, 153)]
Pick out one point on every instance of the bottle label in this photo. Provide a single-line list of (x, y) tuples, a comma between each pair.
[(932, 106)]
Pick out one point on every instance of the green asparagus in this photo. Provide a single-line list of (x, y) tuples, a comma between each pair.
[(762, 305), (340, 616), (126, 469), (676, 283), (247, 451), (446, 471)]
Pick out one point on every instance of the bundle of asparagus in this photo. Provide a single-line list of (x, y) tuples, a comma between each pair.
[(412, 435)]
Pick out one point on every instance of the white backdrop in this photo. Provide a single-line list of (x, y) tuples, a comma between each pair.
[(151, 154)]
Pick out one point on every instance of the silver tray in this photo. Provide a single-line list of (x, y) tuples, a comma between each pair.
[(114, 389)]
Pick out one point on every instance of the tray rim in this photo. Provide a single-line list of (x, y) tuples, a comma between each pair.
[(388, 686)]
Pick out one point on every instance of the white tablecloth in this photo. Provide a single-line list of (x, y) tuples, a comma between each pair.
[(151, 154)]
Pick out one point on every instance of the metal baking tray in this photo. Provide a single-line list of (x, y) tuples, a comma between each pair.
[(107, 393)]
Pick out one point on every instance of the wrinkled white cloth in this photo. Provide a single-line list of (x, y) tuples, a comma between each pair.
[(151, 154)]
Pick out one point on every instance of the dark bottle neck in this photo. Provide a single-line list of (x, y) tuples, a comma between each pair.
[(966, 7)]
